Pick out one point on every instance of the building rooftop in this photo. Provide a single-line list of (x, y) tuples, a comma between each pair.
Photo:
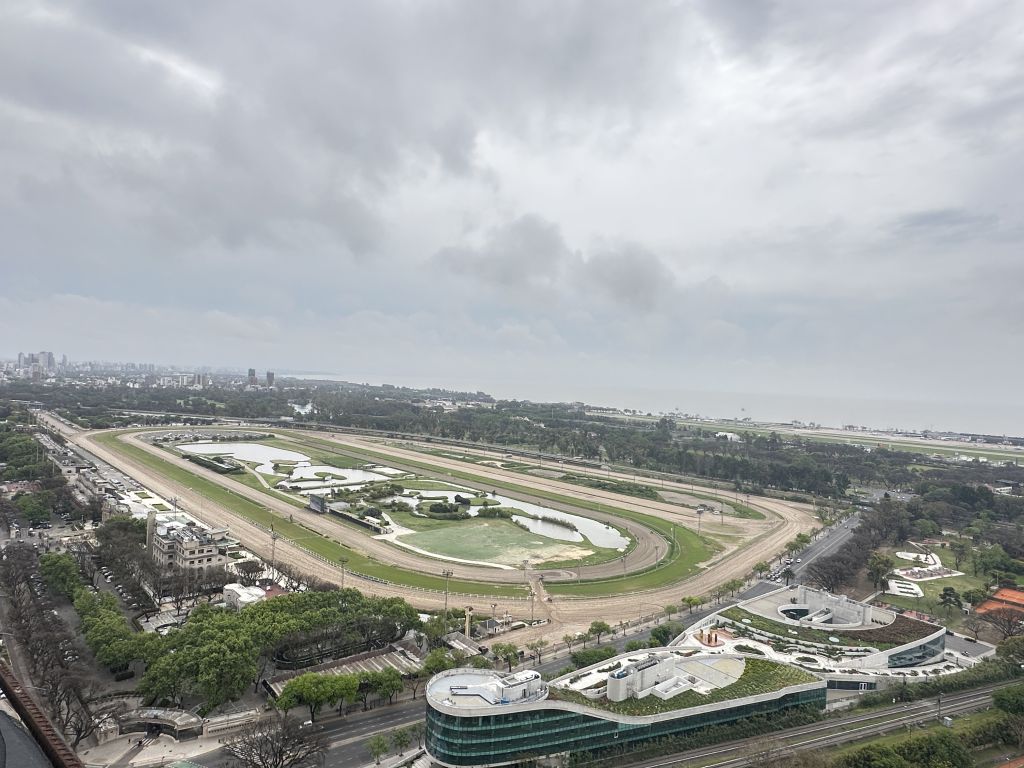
[(669, 679), (473, 688)]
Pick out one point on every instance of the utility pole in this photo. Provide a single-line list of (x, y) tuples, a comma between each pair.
[(273, 549)]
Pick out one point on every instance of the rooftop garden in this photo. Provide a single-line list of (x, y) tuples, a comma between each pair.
[(759, 676), (902, 630)]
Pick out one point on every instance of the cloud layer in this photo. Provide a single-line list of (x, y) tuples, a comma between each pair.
[(532, 198)]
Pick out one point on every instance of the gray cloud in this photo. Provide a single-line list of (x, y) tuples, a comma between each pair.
[(746, 194)]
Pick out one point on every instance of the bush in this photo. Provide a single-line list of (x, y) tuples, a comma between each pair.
[(988, 671), (585, 658)]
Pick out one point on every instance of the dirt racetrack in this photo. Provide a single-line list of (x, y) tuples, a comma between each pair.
[(764, 538)]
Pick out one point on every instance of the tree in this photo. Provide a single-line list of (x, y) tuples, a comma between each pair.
[(377, 746), (276, 742), (249, 572), (61, 573), (311, 689), (507, 652), (973, 624), (974, 596), (829, 573), (663, 634), (1012, 649), (479, 662), (594, 656), (569, 640), (733, 586), (1011, 701), (598, 628), (960, 552), (761, 568), (537, 648), (879, 568), (670, 609), (585, 638), (788, 574), (386, 683), (416, 732), (438, 660), (1006, 621), (949, 599), (872, 756), (400, 739)]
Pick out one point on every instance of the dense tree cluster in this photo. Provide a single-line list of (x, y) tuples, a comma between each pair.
[(24, 458), (756, 462), (217, 652), (69, 690), (315, 690)]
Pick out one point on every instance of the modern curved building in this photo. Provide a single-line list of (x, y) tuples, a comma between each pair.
[(852, 634), (485, 718)]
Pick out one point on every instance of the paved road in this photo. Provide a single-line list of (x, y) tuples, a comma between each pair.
[(347, 736)]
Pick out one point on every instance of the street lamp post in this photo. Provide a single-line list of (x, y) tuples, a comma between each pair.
[(343, 561), (447, 575), (532, 596)]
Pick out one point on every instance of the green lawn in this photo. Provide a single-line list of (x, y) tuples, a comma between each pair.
[(419, 484), (759, 676), (902, 630), (318, 544), (492, 540), (683, 559), (933, 588)]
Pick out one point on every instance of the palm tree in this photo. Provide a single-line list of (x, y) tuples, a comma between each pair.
[(788, 574)]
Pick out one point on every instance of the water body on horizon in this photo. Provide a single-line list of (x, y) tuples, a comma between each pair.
[(987, 417)]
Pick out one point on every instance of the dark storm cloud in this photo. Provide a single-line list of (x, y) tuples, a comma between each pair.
[(519, 189)]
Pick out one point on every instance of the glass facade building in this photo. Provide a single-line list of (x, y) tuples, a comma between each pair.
[(922, 653), (549, 727)]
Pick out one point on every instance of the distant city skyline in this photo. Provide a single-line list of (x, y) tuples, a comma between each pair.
[(881, 414)]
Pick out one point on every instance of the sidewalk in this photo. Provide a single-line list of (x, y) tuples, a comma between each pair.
[(160, 751)]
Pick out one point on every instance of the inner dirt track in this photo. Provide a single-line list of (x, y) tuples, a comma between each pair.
[(746, 542)]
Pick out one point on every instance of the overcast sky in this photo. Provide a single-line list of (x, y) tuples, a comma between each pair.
[(537, 199)]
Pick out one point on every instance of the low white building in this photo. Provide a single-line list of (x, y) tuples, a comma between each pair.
[(238, 597)]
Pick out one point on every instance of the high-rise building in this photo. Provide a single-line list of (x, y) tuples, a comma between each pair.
[(270, 378), (252, 377)]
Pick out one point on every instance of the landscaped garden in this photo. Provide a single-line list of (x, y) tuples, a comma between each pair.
[(759, 676), (902, 630)]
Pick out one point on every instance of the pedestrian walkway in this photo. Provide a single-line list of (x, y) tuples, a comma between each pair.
[(414, 758), (125, 752)]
